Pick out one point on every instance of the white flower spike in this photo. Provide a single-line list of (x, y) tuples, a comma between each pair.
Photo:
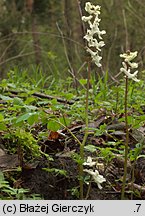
[(93, 33), (128, 65)]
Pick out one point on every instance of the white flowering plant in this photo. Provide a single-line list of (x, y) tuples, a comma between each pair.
[(95, 43), (128, 66), (94, 173), (97, 178)]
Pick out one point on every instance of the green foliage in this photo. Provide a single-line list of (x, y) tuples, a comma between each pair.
[(100, 131), (56, 171), (77, 158), (20, 137), (2, 123), (90, 148), (106, 154), (75, 192), (27, 140), (53, 125), (7, 192), (26, 120), (135, 153)]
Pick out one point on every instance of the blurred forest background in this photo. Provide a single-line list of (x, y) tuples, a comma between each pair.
[(48, 35)]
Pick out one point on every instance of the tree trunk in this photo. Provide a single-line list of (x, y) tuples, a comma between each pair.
[(36, 41), (29, 4)]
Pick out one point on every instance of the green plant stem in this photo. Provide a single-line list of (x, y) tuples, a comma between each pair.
[(81, 181), (133, 178), (127, 139), (75, 138), (20, 155), (117, 99), (89, 188)]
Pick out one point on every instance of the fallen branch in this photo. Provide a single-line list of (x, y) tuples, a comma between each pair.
[(42, 95), (61, 100)]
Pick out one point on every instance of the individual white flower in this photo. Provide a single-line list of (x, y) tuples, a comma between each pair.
[(101, 33), (89, 35), (94, 33), (132, 64), (89, 162), (99, 179), (128, 65), (97, 44), (95, 57), (88, 7), (92, 9), (129, 75), (87, 19), (95, 28), (129, 56)]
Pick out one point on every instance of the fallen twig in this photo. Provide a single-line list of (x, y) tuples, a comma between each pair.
[(42, 95)]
